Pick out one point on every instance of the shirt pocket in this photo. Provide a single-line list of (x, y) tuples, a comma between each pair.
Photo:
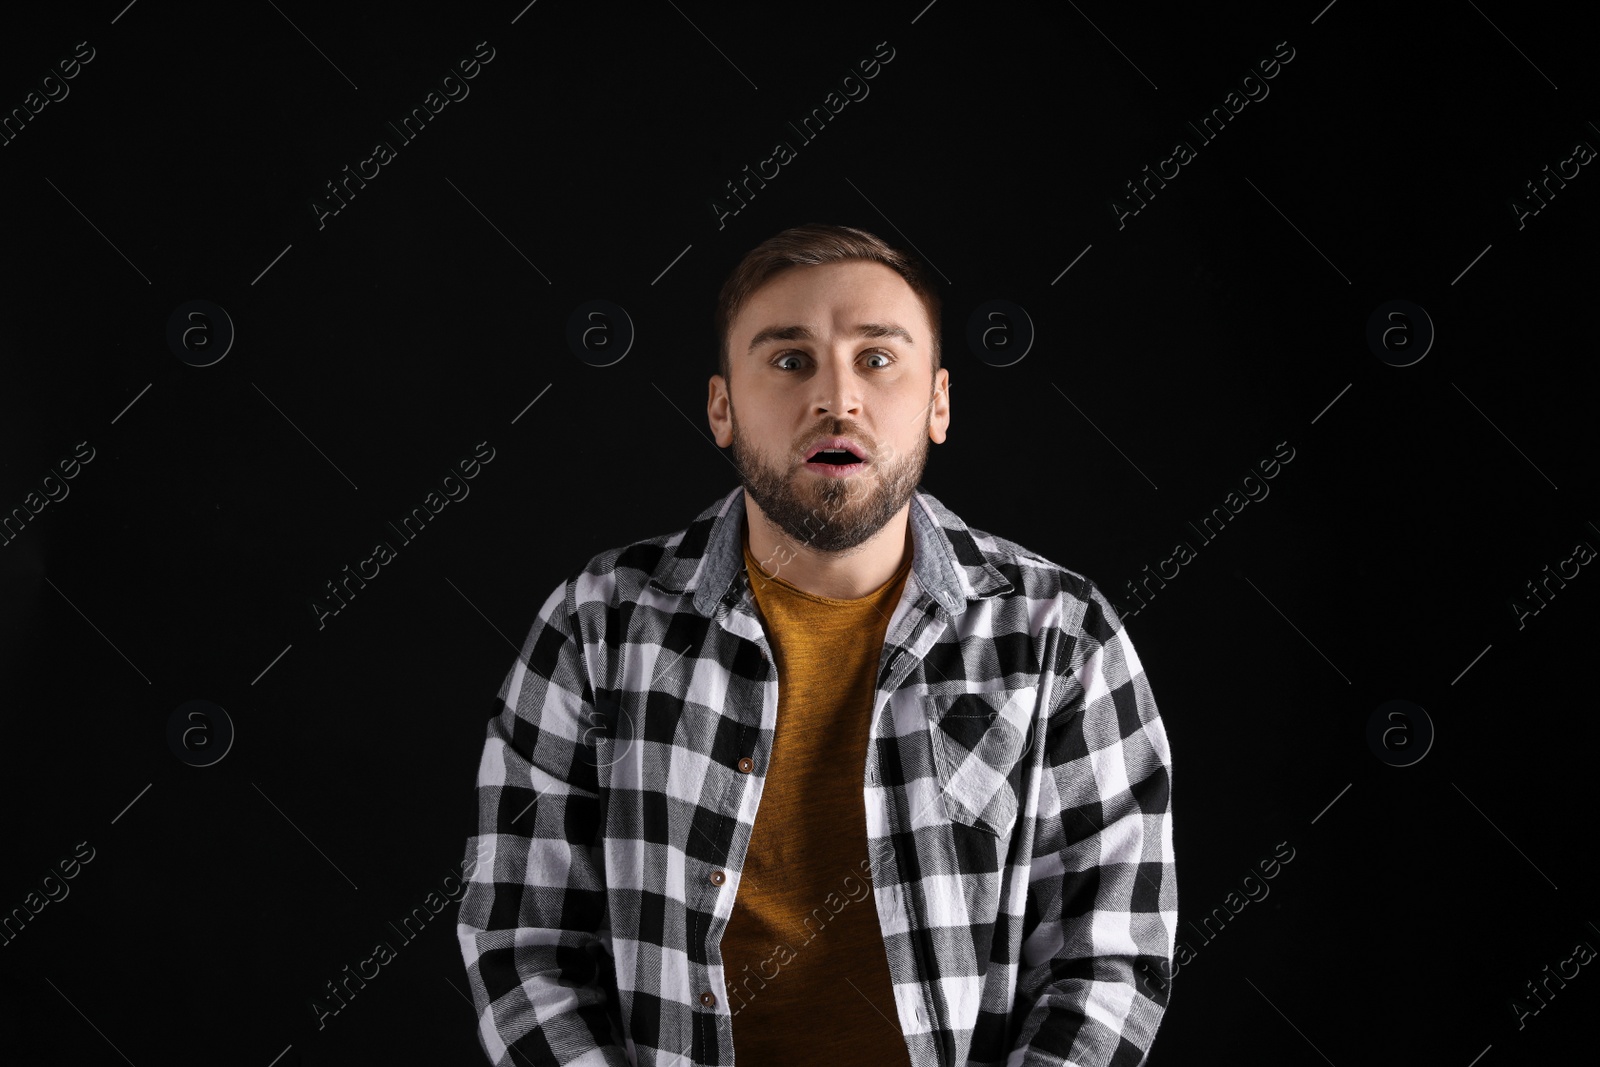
[(979, 741)]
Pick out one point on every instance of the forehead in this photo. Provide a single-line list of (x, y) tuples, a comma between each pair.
[(852, 290)]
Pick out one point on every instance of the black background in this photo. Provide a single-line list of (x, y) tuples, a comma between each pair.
[(378, 350)]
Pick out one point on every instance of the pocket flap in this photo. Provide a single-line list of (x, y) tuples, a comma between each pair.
[(978, 741)]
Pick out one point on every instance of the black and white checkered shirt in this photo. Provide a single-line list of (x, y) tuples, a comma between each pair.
[(1017, 790)]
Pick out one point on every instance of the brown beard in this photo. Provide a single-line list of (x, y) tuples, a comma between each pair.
[(829, 515)]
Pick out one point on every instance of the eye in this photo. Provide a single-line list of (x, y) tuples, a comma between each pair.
[(888, 356)]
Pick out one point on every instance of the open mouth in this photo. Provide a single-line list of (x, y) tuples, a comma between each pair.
[(835, 463)]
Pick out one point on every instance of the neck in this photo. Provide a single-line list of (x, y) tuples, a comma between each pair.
[(845, 575)]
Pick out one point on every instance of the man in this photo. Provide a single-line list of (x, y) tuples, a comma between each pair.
[(827, 776)]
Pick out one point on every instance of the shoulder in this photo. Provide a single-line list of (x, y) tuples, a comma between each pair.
[(1082, 645), (1068, 598), (624, 574)]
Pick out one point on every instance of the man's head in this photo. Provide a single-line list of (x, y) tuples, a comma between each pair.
[(828, 332), (813, 245)]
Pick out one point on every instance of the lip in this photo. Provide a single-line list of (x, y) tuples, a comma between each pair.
[(836, 442), (835, 470)]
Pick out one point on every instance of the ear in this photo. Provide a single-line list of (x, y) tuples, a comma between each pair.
[(939, 421), (719, 411)]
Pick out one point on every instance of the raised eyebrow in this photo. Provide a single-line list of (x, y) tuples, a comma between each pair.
[(779, 333), (884, 329), (803, 333)]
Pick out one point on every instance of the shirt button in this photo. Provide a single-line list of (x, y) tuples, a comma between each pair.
[(747, 765), (718, 877), (708, 999)]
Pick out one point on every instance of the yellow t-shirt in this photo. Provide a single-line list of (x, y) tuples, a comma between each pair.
[(803, 956)]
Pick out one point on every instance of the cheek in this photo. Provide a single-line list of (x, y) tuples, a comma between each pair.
[(913, 413)]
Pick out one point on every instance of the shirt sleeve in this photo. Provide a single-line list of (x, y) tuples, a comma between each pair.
[(1102, 908), (532, 922)]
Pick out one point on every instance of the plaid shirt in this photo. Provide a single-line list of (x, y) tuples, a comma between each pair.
[(1017, 789)]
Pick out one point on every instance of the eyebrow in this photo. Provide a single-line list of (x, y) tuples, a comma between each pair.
[(803, 333)]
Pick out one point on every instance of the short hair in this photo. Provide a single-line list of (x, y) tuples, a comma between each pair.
[(808, 246)]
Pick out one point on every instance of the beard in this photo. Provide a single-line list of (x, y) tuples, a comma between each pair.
[(830, 515)]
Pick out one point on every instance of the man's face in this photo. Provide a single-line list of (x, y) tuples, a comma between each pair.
[(838, 350)]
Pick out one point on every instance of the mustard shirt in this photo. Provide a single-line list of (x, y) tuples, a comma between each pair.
[(803, 956)]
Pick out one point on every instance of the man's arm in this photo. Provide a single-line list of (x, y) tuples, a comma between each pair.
[(1102, 894), (533, 919)]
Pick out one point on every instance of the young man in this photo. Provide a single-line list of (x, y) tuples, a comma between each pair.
[(827, 776)]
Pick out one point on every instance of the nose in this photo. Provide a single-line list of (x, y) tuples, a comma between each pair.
[(838, 389)]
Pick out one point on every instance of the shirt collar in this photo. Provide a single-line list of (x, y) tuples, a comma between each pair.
[(704, 560)]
